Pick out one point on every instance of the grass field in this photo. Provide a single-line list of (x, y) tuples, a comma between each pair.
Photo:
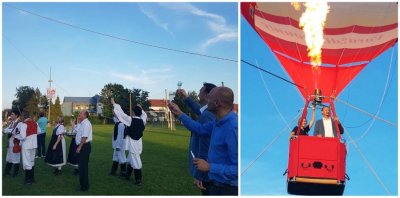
[(165, 168)]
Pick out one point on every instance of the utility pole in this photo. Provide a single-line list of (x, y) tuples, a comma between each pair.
[(47, 93)]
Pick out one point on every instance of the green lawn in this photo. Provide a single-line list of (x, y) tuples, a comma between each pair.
[(165, 168)]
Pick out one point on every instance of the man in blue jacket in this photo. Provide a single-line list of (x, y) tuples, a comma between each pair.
[(326, 127), (222, 163), (199, 144)]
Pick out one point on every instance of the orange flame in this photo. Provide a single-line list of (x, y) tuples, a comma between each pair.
[(312, 22), (296, 5)]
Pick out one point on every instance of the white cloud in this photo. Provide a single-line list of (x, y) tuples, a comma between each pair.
[(152, 16), (187, 7), (216, 23), (224, 33), (144, 76)]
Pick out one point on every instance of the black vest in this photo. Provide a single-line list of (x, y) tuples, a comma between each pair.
[(135, 131), (116, 130)]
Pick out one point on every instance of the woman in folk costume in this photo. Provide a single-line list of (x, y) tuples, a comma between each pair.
[(135, 128), (118, 144), (56, 152), (13, 145), (72, 156)]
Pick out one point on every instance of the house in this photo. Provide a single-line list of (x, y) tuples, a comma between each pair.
[(72, 104)]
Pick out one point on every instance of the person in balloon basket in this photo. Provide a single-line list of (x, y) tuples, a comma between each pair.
[(13, 146), (56, 152), (27, 134), (199, 144), (222, 162), (135, 127), (326, 127), (83, 139), (304, 127)]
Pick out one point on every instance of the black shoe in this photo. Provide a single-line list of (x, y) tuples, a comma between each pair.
[(138, 177), (138, 182), (123, 170), (7, 169), (16, 170), (114, 168), (128, 173), (57, 172), (83, 189)]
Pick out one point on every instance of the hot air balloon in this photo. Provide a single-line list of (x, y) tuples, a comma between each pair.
[(354, 34)]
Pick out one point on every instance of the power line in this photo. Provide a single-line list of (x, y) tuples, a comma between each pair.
[(365, 112), (268, 72), (31, 62), (368, 164), (120, 38), (285, 129)]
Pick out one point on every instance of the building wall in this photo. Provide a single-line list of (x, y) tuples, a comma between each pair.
[(66, 108)]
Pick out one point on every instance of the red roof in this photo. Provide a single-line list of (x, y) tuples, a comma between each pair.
[(157, 102)]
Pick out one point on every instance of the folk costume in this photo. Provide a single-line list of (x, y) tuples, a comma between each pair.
[(135, 128), (57, 158)]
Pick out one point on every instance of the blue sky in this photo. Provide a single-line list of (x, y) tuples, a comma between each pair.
[(261, 122), (82, 62)]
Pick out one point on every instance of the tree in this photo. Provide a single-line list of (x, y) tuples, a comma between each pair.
[(33, 103), (6, 113), (55, 110), (144, 100), (120, 95), (44, 103), (141, 97), (24, 94), (186, 109)]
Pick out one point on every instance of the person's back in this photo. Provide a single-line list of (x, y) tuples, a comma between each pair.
[(42, 122), (41, 136)]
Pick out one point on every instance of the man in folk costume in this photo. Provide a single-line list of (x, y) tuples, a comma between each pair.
[(13, 145), (135, 128), (118, 144), (27, 134)]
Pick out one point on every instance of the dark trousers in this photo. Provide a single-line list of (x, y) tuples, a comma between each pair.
[(217, 188), (41, 144), (83, 163), (207, 190)]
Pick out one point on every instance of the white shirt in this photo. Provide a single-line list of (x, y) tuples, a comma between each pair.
[(328, 127), (126, 119), (203, 108), (84, 129), (60, 129), (28, 142)]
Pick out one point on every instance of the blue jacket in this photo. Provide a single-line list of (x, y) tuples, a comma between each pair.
[(223, 151), (199, 144)]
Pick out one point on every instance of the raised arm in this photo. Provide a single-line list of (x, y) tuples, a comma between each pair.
[(126, 119), (193, 105), (312, 117)]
